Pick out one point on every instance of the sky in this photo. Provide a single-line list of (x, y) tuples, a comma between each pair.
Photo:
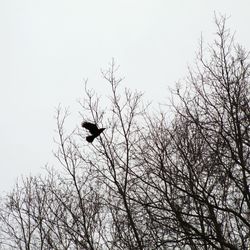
[(48, 48)]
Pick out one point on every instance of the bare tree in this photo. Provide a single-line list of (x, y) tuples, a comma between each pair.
[(199, 166), (176, 180)]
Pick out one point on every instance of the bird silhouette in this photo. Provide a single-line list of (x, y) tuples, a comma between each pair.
[(93, 129)]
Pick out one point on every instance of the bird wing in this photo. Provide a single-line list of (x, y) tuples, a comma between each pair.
[(91, 127)]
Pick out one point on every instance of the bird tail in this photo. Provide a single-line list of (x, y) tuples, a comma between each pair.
[(90, 138)]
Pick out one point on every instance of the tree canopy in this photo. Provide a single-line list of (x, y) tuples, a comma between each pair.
[(177, 179)]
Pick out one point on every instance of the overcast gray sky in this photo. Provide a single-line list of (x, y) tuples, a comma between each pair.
[(48, 47)]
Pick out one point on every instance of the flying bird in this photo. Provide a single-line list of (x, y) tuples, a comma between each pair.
[(93, 129)]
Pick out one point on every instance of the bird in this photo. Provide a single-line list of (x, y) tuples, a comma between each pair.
[(93, 129)]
